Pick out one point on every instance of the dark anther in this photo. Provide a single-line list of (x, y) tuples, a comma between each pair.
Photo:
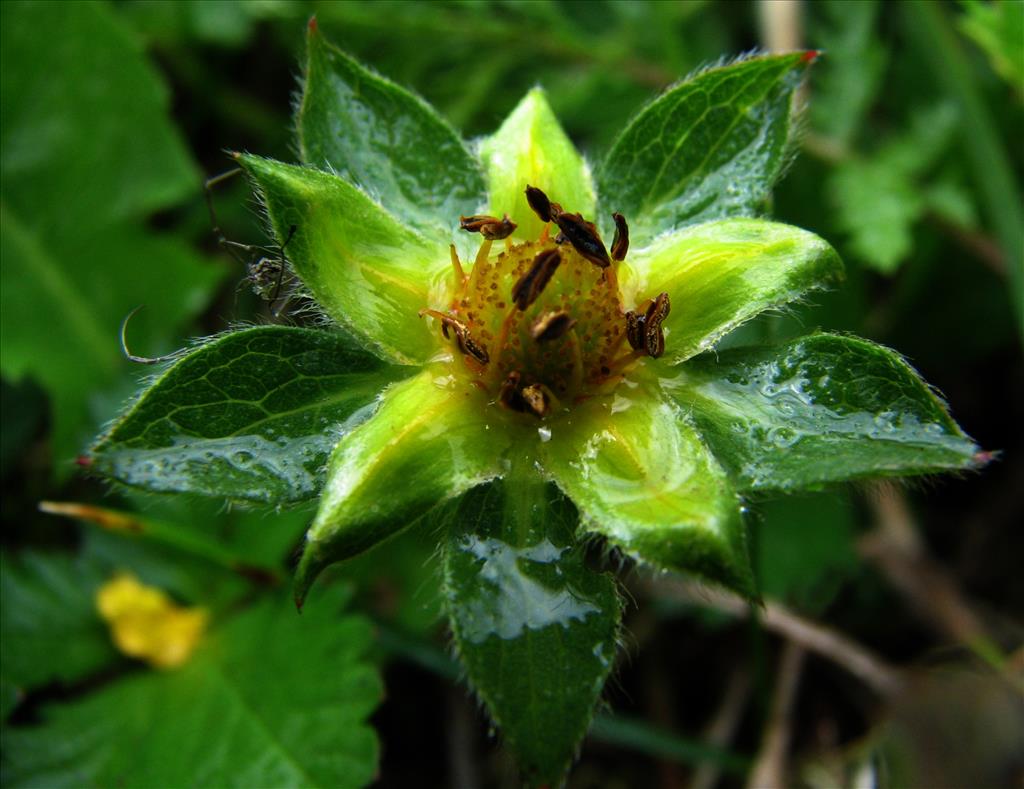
[(654, 339), (532, 283), (467, 345), (551, 326), (635, 330), (490, 227), (583, 236), (620, 243), (644, 331), (539, 203), (508, 395), (537, 399)]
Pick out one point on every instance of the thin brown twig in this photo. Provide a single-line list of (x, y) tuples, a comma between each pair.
[(770, 767), (722, 727), (864, 664)]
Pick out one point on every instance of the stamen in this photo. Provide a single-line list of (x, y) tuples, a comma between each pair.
[(551, 326), (654, 339), (460, 275), (539, 203), (584, 237), (467, 345), (490, 227), (538, 398), (620, 243), (532, 283)]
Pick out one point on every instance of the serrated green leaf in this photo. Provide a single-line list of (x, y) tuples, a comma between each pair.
[(820, 409), (365, 269), (998, 28), (641, 476), (269, 699), (388, 141), (530, 148), (711, 147), (535, 627), (430, 440), (87, 152), (250, 415), (723, 273), (49, 628)]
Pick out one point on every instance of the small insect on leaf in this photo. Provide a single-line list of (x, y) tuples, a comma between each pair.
[(551, 326), (532, 283), (490, 227), (620, 243)]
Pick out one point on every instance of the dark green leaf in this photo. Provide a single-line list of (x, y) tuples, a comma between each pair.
[(383, 138), (49, 628), (711, 147), (820, 409), (270, 699), (249, 415), (534, 626), (87, 151)]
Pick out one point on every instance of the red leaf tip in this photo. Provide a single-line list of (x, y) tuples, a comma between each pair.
[(312, 24), (83, 460), (810, 56)]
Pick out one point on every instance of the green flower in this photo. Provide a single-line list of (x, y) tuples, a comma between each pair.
[(505, 373)]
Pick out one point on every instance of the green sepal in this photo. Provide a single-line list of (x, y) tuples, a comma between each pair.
[(710, 147), (428, 441), (720, 274), (534, 626), (531, 148), (641, 476), (364, 268), (819, 409), (250, 415), (392, 143)]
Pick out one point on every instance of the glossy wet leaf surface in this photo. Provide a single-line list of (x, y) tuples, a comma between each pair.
[(534, 626), (250, 415), (819, 409), (640, 475), (365, 268), (393, 144), (49, 629), (710, 147), (269, 699)]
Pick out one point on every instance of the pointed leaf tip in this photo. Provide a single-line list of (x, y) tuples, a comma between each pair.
[(313, 27)]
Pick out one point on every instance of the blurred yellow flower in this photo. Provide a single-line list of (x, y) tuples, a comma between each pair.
[(146, 624)]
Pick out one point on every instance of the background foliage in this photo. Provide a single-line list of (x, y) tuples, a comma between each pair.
[(111, 116)]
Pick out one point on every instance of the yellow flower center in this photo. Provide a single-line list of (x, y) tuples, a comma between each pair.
[(542, 325)]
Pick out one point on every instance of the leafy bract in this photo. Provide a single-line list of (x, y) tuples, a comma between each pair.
[(710, 147), (640, 475), (819, 409), (364, 268), (535, 628), (531, 148), (84, 159), (430, 440), (720, 274), (49, 629), (383, 138), (286, 696), (251, 415)]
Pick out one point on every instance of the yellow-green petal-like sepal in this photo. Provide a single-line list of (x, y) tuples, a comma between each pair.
[(721, 274), (641, 476), (532, 148), (366, 270), (429, 440)]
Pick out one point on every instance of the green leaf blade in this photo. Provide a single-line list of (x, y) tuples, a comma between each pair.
[(389, 141), (820, 409), (711, 147), (720, 274), (366, 270), (535, 628), (293, 715), (429, 440), (641, 476), (250, 415), (531, 148)]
